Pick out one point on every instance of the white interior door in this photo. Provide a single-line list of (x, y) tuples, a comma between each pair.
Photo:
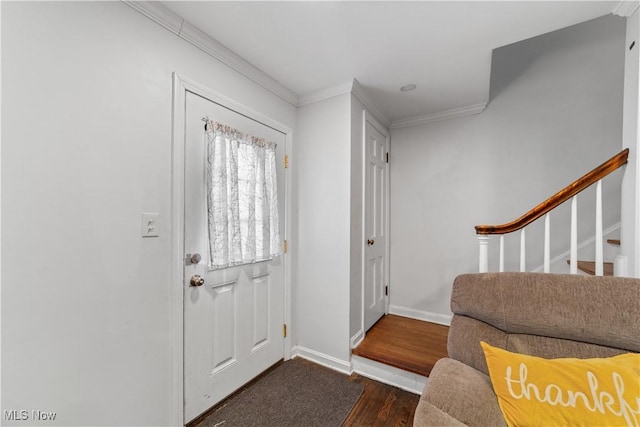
[(233, 322), (375, 223)]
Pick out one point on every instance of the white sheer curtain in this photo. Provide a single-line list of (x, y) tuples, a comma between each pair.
[(242, 198)]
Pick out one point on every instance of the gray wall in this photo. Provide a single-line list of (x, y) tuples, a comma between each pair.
[(86, 148), (555, 113), (322, 193)]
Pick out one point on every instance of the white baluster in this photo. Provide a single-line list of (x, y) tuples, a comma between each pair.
[(599, 238), (483, 241), (573, 254), (547, 244), (501, 253), (523, 255)]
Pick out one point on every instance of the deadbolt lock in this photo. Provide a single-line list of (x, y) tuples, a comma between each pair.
[(190, 259)]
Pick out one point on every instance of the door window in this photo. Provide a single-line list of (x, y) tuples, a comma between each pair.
[(242, 198)]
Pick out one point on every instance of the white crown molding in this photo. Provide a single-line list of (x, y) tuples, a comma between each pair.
[(359, 92), (626, 8), (166, 18), (157, 13), (323, 94), (353, 87), (186, 31), (454, 113)]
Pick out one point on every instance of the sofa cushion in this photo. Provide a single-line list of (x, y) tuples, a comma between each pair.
[(534, 391), (463, 393)]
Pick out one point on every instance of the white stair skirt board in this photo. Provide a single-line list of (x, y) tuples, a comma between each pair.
[(386, 374), (440, 319), (322, 359)]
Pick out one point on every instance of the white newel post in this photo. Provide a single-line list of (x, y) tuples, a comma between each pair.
[(483, 242)]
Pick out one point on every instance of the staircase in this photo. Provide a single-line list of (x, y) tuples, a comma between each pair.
[(570, 192), (589, 267)]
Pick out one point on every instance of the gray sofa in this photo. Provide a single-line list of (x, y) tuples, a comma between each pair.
[(544, 315)]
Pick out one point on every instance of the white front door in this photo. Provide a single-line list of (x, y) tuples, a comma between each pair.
[(375, 223), (233, 323)]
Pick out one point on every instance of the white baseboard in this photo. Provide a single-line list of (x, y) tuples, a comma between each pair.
[(357, 338), (440, 319), (404, 380), (334, 363)]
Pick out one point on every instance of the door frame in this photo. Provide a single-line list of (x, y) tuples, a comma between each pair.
[(182, 85), (369, 118)]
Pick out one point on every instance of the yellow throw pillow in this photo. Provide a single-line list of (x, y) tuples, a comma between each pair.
[(533, 391)]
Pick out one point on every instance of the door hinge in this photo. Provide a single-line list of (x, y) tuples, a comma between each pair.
[(387, 157), (285, 246), (284, 330), (286, 161), (386, 290)]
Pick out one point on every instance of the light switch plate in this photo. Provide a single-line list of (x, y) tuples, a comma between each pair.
[(150, 224)]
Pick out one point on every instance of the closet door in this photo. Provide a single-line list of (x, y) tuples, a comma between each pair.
[(375, 223)]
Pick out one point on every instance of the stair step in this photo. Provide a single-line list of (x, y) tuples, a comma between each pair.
[(589, 267), (613, 241), (408, 344)]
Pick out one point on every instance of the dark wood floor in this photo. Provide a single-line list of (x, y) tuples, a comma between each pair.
[(408, 344), (399, 342), (381, 405)]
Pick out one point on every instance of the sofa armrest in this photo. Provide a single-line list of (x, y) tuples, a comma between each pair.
[(428, 415), (463, 393)]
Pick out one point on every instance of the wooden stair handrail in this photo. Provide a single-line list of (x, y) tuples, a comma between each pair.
[(560, 197)]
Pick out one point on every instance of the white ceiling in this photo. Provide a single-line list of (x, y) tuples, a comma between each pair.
[(444, 47)]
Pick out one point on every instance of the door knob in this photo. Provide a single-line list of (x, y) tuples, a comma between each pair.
[(371, 242), (196, 280)]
